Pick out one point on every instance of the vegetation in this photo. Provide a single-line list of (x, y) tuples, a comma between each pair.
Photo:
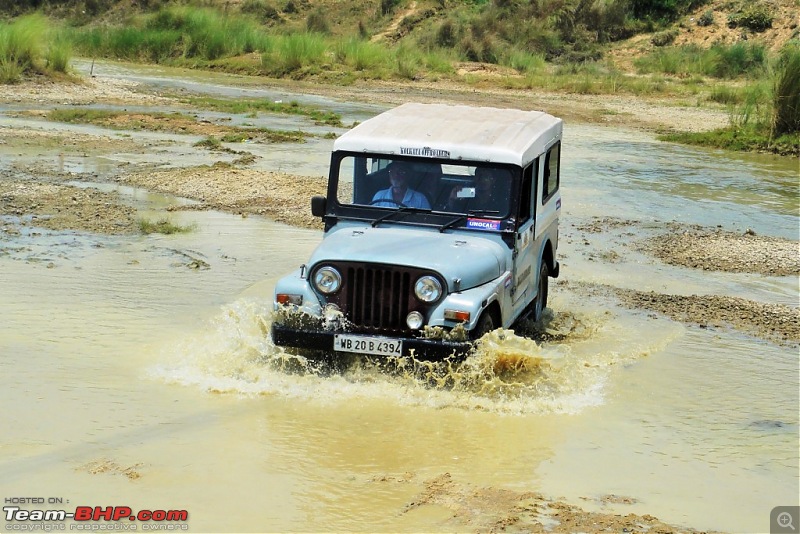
[(153, 121), (164, 226), (755, 17), (263, 135), (786, 99), (175, 123), (764, 117), (23, 50), (254, 105), (210, 142), (559, 47), (718, 61)]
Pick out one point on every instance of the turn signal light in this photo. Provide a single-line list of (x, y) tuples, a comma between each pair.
[(285, 299), (457, 315)]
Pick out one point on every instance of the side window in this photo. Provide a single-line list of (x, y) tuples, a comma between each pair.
[(526, 191), (376, 164), (551, 172)]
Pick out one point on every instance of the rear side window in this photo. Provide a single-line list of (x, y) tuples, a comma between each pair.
[(551, 172), (528, 179)]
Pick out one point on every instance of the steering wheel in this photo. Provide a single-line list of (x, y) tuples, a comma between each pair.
[(379, 200)]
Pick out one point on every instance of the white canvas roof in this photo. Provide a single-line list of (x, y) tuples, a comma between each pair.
[(455, 132)]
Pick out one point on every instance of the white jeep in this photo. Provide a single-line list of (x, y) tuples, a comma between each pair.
[(441, 224)]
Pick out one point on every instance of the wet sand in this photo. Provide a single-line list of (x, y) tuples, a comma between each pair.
[(64, 207), (488, 509), (279, 196)]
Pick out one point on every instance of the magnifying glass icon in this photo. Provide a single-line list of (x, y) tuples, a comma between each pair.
[(785, 520)]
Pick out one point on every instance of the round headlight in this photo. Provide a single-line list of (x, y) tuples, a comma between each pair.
[(428, 289), (327, 280)]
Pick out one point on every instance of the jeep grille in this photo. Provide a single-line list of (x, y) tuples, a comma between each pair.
[(377, 297)]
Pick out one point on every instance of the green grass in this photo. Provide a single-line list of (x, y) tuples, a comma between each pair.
[(786, 94), (10, 71), (166, 122), (718, 61), (173, 32), (255, 105), (755, 112), (205, 38), (163, 226), (525, 62), (262, 135), (291, 53), (408, 62), (210, 142), (748, 139), (361, 55), (27, 46), (175, 123), (282, 136), (21, 41), (82, 115), (722, 94), (555, 50), (59, 54)]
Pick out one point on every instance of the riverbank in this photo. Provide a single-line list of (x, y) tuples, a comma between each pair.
[(651, 113)]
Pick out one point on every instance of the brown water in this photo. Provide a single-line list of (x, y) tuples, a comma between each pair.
[(130, 379)]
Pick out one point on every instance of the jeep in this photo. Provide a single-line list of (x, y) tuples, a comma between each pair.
[(440, 225)]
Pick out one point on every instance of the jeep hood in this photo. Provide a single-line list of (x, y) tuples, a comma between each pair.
[(472, 259)]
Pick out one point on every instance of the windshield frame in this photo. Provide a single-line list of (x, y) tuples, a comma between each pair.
[(434, 214)]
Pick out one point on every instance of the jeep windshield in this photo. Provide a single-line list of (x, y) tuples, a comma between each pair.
[(405, 189)]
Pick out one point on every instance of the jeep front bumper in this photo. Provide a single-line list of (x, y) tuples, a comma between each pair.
[(423, 349)]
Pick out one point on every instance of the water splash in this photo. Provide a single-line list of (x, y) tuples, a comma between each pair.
[(507, 373)]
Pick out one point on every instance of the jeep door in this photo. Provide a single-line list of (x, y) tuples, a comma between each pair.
[(548, 205), (524, 250)]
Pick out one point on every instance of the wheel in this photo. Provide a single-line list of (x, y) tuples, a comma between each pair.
[(541, 296), (485, 324)]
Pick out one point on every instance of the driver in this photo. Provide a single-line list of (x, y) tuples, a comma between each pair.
[(399, 194)]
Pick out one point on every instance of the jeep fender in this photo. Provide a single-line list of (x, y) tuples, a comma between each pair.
[(474, 301), (295, 284)]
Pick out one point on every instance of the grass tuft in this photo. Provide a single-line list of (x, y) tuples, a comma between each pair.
[(719, 61), (164, 226), (22, 46), (786, 99)]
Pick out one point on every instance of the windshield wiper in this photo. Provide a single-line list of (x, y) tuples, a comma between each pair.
[(460, 218), (401, 209)]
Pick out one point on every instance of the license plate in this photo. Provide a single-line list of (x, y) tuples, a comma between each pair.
[(382, 346)]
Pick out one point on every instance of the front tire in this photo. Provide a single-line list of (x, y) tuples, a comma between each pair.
[(485, 324)]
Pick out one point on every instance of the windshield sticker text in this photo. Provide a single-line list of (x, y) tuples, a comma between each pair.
[(483, 224)]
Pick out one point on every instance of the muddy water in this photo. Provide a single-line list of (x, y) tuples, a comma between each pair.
[(136, 372)]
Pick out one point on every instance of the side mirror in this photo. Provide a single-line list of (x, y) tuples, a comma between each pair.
[(318, 206)]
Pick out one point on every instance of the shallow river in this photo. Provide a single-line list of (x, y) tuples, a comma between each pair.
[(129, 379)]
